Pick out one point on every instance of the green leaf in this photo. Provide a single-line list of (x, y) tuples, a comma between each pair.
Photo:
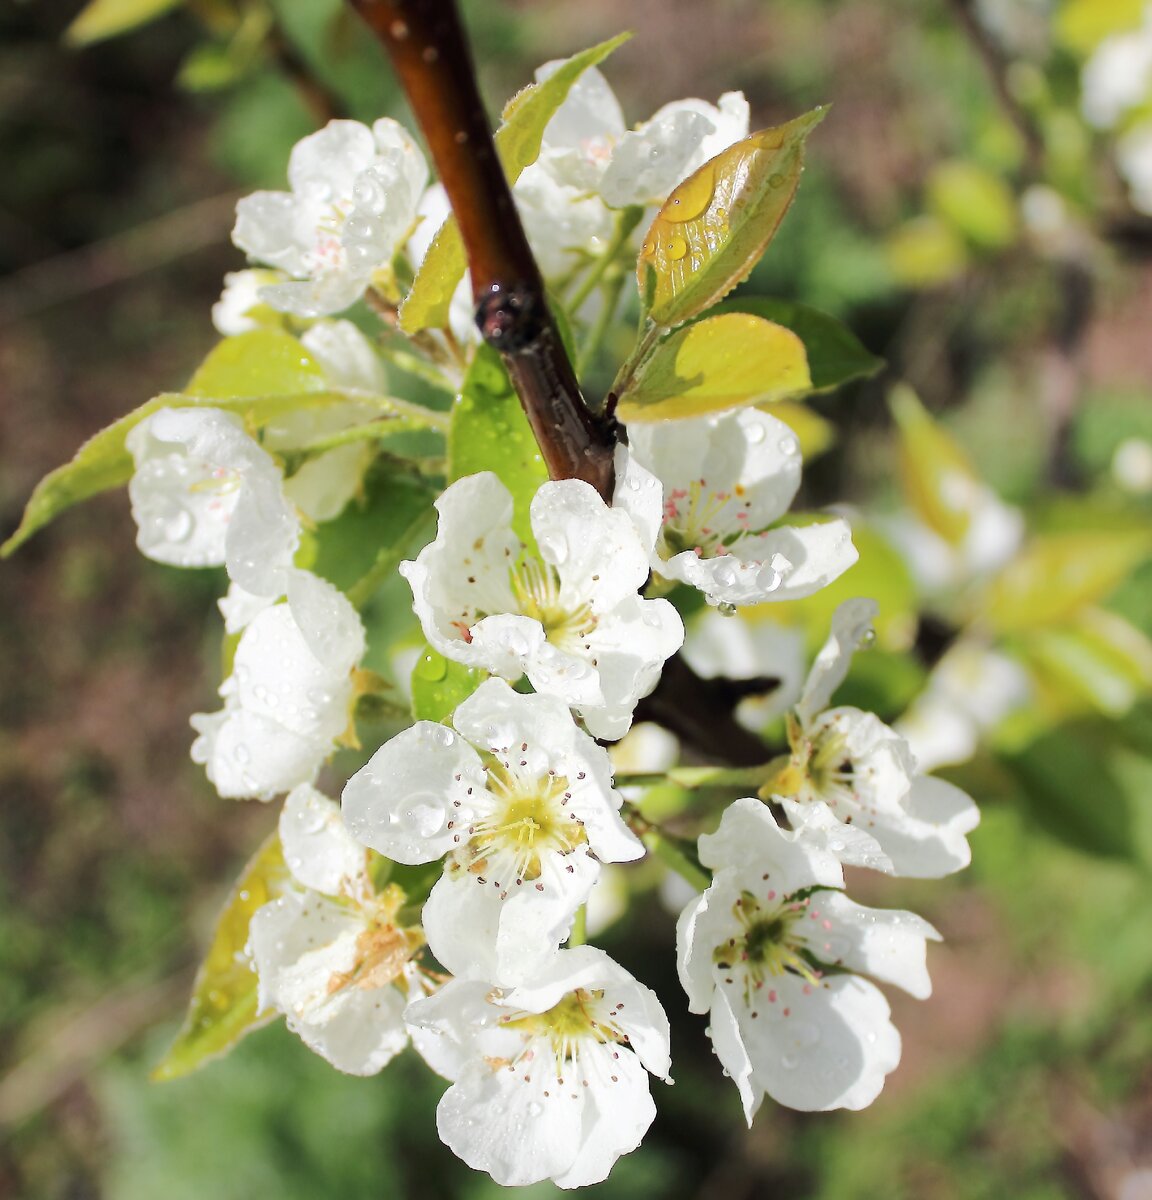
[(835, 354), (714, 226), (1081, 25), (223, 1005), (975, 202), (439, 685), (938, 479), (259, 375), (1099, 660), (518, 144), (373, 533), (264, 362), (1057, 575), (491, 433), (101, 19), (718, 363), (925, 252), (1071, 790)]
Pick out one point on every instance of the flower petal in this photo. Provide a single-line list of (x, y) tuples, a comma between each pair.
[(319, 850)]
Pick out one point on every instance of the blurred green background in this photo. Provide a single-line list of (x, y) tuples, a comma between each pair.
[(956, 213)]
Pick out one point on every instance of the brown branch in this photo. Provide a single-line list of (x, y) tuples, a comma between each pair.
[(426, 43), (996, 66)]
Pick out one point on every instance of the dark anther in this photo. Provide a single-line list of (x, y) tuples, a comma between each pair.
[(510, 317)]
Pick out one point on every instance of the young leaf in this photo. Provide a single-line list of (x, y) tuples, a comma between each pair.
[(439, 685), (260, 375), (718, 363), (491, 433), (1057, 575), (518, 144), (714, 226), (939, 481), (835, 354), (223, 1005), (101, 19)]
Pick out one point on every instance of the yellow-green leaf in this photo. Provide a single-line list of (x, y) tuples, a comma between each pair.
[(491, 433), (714, 226), (518, 143), (835, 354), (440, 685), (938, 479), (260, 375), (925, 252), (1057, 575), (721, 362), (264, 362), (1082, 25), (975, 202), (101, 19), (223, 1005)]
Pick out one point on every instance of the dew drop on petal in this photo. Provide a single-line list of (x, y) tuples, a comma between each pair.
[(788, 446), (726, 610), (421, 815), (756, 434)]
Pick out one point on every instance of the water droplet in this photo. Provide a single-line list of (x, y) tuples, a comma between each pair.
[(756, 433), (726, 610), (692, 197), (725, 575), (535, 1109), (788, 446), (868, 640), (178, 527), (675, 248), (422, 814), (242, 754), (432, 666), (775, 180)]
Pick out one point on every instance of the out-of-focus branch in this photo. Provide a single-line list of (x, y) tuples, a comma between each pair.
[(426, 43), (996, 65)]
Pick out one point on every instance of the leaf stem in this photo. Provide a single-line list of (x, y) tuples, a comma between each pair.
[(626, 222)]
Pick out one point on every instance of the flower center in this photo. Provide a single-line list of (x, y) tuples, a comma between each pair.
[(527, 821), (580, 1021), (821, 767), (770, 941), (383, 948), (700, 519), (537, 589)]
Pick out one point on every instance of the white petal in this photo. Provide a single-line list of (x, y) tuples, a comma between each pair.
[(362, 1031), (929, 838), (328, 292), (728, 1043), (820, 826), (640, 494), (648, 162), (402, 800), (277, 675), (268, 228), (238, 607), (240, 309), (502, 1124), (698, 933), (448, 1024), (832, 1050), (325, 164), (504, 932), (851, 624), (318, 848), (750, 839), (248, 756), (327, 621), (323, 486), (888, 944)]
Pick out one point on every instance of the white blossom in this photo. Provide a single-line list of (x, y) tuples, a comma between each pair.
[(970, 691), (726, 480), (521, 802), (330, 952), (324, 484), (773, 957), (288, 698), (205, 494), (241, 308), (353, 200), (570, 618), (549, 1079), (1118, 76), (852, 781)]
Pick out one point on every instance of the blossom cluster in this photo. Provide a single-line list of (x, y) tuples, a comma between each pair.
[(1116, 83), (562, 617)]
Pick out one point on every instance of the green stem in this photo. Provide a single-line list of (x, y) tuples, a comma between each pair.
[(645, 343), (387, 561), (627, 221), (579, 934), (427, 418), (412, 364), (671, 855), (614, 285)]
